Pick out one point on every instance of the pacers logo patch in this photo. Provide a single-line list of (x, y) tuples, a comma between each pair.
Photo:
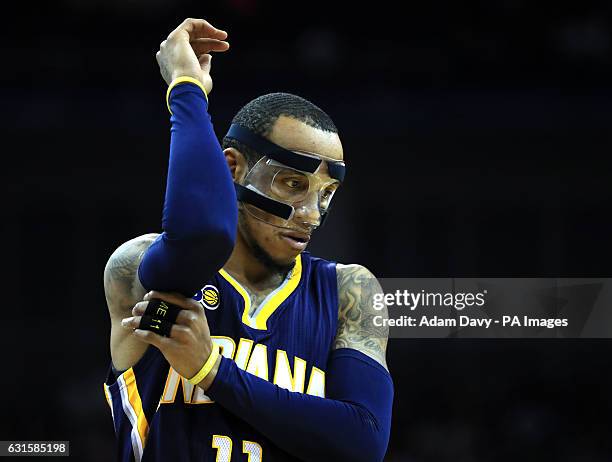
[(210, 297)]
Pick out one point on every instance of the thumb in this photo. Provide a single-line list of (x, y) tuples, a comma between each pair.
[(205, 62)]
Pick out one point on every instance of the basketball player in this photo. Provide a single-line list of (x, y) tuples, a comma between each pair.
[(276, 357)]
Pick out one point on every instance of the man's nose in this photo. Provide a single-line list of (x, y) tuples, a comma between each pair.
[(308, 210)]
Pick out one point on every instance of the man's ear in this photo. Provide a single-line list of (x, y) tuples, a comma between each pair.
[(237, 163)]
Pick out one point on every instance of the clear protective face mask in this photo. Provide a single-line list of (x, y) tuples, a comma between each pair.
[(288, 189), (306, 196)]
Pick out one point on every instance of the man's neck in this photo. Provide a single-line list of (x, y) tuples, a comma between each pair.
[(244, 266)]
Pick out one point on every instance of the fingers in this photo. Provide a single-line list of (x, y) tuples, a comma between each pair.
[(177, 332), (185, 317), (188, 319), (139, 308), (146, 336), (195, 28), (131, 323), (174, 298), (206, 45), (150, 337)]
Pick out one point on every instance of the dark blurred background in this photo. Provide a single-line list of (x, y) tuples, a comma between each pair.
[(478, 143)]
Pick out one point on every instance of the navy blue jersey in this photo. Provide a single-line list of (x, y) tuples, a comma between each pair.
[(159, 416)]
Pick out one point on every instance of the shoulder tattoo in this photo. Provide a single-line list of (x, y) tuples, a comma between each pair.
[(356, 313)]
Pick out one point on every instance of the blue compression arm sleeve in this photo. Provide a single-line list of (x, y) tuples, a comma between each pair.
[(351, 424), (200, 209)]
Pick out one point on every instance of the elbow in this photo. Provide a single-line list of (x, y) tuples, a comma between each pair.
[(183, 265)]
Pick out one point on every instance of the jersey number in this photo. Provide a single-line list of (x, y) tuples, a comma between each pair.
[(223, 445)]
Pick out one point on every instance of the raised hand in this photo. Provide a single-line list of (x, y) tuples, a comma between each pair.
[(186, 51)]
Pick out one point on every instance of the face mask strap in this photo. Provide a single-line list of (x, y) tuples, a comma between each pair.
[(262, 202), (264, 147), (337, 170)]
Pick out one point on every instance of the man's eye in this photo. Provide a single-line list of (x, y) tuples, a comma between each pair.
[(293, 183)]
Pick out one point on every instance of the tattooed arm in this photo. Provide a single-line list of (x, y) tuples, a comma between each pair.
[(356, 329), (123, 290)]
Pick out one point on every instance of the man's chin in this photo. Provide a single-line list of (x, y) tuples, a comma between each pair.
[(284, 259), (276, 261)]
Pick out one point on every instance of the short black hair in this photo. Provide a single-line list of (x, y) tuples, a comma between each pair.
[(260, 114)]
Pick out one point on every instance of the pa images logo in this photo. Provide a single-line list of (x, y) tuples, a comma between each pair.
[(209, 297)]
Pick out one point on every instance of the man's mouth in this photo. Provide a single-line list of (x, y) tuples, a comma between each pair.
[(296, 240)]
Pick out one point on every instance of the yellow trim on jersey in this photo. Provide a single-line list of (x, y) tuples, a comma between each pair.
[(109, 400), (239, 289), (272, 301), (171, 377), (279, 297), (180, 80), (136, 404)]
